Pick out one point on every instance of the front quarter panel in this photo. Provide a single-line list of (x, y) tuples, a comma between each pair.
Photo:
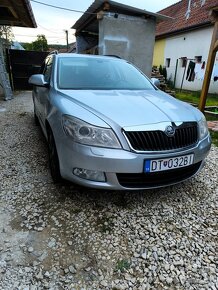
[(60, 104), (65, 105)]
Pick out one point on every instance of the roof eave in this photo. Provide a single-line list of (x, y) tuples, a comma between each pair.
[(17, 13), (97, 6), (186, 29), (30, 12)]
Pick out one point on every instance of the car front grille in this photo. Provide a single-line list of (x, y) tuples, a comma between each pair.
[(185, 135), (156, 179)]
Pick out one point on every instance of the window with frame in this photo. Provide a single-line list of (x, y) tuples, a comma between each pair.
[(183, 61), (47, 68), (198, 59), (167, 63)]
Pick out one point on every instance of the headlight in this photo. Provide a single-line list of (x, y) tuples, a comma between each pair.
[(88, 134), (203, 129)]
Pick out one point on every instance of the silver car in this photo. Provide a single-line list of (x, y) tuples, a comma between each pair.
[(108, 126)]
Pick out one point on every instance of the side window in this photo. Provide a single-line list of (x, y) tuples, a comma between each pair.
[(167, 62), (47, 68), (198, 59), (183, 61)]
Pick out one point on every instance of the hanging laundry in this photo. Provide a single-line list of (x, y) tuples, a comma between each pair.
[(199, 72), (190, 76)]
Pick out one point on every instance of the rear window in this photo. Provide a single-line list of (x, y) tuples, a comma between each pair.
[(99, 74)]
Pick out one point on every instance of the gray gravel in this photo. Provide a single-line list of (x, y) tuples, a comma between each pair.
[(59, 237)]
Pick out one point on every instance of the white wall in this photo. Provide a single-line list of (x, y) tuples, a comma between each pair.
[(190, 44)]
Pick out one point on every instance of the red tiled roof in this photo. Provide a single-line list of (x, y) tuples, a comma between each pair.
[(199, 16)]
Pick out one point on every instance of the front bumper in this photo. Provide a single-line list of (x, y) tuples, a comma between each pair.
[(121, 163)]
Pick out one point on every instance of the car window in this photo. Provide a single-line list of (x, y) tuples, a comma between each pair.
[(98, 73), (46, 69)]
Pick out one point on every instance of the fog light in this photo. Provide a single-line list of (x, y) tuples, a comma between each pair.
[(89, 174)]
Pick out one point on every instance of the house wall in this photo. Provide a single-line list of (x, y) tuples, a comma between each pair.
[(159, 49), (128, 37), (190, 45)]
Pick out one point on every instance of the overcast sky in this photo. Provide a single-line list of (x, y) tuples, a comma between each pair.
[(54, 22)]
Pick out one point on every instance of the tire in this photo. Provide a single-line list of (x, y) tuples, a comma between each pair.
[(53, 159)]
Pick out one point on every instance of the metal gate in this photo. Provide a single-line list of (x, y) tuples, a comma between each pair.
[(22, 64)]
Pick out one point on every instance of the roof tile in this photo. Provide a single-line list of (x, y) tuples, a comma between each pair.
[(199, 15)]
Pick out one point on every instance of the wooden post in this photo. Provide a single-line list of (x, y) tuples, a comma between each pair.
[(209, 67)]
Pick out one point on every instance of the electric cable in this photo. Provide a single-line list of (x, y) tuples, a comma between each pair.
[(63, 8)]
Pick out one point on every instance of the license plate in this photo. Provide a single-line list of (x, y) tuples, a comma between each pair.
[(168, 163)]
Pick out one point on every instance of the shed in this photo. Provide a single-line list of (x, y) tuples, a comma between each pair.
[(112, 28)]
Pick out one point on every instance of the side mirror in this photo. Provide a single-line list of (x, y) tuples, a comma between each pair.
[(38, 80), (155, 82)]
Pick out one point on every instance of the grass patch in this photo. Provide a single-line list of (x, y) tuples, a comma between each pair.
[(214, 136), (122, 265), (194, 97), (210, 117)]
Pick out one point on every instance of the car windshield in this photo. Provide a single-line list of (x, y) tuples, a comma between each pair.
[(76, 73)]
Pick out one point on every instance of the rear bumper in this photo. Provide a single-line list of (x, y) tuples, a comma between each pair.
[(124, 169)]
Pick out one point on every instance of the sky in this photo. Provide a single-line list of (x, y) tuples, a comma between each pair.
[(53, 22)]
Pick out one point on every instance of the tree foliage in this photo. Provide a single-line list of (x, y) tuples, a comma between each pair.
[(27, 46), (40, 44), (7, 34)]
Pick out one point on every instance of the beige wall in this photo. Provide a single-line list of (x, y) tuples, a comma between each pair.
[(159, 50)]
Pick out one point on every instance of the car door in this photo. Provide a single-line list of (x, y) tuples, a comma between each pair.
[(42, 93)]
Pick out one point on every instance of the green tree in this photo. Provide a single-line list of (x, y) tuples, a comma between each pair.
[(27, 46), (7, 34), (40, 44)]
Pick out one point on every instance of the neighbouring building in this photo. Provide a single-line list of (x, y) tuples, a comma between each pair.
[(182, 43), (111, 28), (16, 45)]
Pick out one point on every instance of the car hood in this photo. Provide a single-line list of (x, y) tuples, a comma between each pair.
[(134, 108)]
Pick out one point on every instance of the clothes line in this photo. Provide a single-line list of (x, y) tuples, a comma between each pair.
[(190, 72)]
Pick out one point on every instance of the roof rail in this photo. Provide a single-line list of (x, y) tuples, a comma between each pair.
[(113, 55), (53, 52)]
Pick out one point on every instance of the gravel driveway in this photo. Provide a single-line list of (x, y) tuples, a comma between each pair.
[(59, 237)]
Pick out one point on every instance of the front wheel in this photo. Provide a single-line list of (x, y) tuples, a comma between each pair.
[(53, 159)]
